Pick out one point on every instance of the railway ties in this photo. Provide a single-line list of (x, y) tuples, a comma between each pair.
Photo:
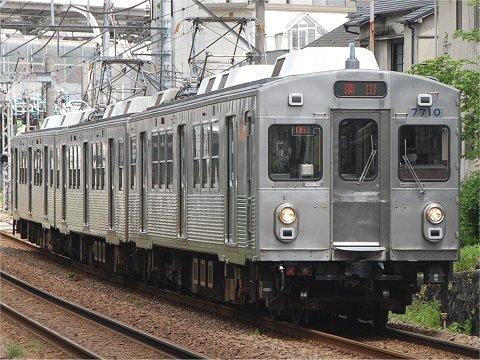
[(78, 331), (370, 350)]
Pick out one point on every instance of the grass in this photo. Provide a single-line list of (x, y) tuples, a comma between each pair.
[(14, 350), (135, 300), (72, 276), (469, 257), (428, 314)]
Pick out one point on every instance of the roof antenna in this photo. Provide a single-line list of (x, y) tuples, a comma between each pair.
[(352, 62)]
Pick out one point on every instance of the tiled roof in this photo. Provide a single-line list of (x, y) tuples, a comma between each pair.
[(386, 7), (336, 37), (416, 15)]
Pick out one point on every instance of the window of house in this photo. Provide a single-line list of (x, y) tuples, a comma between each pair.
[(397, 56), (459, 14), (302, 34)]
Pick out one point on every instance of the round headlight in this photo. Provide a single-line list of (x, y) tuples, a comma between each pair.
[(287, 215), (435, 215)]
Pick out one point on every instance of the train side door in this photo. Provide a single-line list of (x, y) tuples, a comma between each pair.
[(111, 182), (356, 181), (230, 183), (143, 181), (45, 181), (30, 179), (249, 160), (182, 181), (86, 173), (64, 182)]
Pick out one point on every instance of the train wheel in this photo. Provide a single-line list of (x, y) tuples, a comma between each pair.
[(381, 318), (299, 316)]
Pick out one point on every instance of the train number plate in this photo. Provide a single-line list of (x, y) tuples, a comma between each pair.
[(426, 112)]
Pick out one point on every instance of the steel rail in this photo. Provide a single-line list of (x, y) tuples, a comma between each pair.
[(466, 351), (54, 338), (283, 327), (140, 336)]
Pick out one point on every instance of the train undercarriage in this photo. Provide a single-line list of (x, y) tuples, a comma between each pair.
[(289, 290)]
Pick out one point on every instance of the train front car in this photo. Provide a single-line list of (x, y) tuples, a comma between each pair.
[(358, 191)]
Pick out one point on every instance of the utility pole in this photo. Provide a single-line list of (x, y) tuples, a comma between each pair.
[(50, 91), (105, 51), (260, 31), (372, 26)]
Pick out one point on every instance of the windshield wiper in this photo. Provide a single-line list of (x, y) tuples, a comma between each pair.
[(408, 164), (368, 164)]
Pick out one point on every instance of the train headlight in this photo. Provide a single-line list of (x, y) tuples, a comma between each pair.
[(434, 213), (287, 214)]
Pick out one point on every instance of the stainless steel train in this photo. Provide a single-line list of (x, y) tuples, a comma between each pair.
[(299, 193)]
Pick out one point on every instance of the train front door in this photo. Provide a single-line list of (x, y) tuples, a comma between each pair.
[(356, 180)]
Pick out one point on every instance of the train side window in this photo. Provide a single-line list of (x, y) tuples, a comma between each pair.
[(94, 166), (155, 163), (162, 151), (102, 165), (295, 152), (79, 162), (58, 167), (169, 159), (424, 152), (133, 161), (70, 166), (120, 164), (358, 144), (51, 166), (214, 146), (197, 151), (205, 154)]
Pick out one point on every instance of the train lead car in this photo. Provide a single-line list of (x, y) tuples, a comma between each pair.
[(313, 189)]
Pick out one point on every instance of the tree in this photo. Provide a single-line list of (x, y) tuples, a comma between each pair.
[(472, 35)]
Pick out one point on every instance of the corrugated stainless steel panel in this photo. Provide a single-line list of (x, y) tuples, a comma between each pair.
[(120, 216), (206, 218), (37, 204), (241, 220), (162, 215), (58, 207), (75, 210), (133, 214), (98, 212), (22, 201), (51, 206)]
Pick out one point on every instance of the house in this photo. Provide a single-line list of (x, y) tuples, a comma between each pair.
[(404, 32)]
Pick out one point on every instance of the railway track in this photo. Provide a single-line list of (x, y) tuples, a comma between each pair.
[(75, 350), (354, 346), (108, 337)]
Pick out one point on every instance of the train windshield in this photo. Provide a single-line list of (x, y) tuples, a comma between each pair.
[(294, 152), (357, 142), (423, 152)]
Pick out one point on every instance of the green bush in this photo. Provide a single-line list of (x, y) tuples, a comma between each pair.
[(469, 258), (469, 210), (421, 312)]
